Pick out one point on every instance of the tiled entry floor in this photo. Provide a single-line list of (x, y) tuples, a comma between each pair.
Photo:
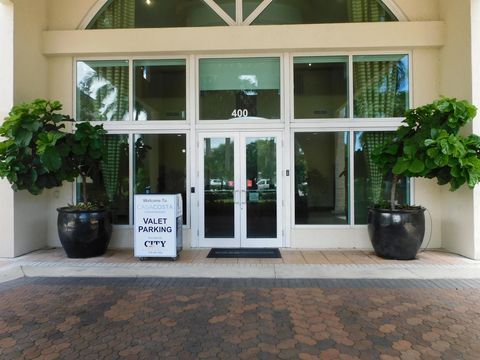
[(293, 257), (294, 264)]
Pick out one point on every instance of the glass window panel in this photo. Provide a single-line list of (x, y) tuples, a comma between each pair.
[(127, 14), (228, 6), (371, 186), (160, 90), (321, 87), (321, 178), (111, 185), (318, 12), (380, 86), (249, 6), (102, 90), (160, 165), (239, 88), (218, 157), (261, 196)]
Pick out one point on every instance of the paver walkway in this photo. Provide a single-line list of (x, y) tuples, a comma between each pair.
[(72, 318)]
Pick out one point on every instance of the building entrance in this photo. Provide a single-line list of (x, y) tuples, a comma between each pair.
[(240, 189)]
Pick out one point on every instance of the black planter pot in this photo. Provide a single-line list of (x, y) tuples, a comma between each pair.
[(84, 234), (396, 234)]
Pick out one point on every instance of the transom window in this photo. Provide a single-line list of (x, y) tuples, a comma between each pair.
[(245, 88), (124, 14)]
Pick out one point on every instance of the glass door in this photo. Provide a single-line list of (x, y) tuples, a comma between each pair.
[(219, 196), (239, 182)]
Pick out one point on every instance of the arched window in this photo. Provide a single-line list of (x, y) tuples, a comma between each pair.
[(125, 14)]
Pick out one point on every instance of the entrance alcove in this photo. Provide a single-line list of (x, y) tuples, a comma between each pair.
[(421, 40)]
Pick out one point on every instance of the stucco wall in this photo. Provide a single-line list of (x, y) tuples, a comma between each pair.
[(68, 14), (475, 53), (30, 82), (419, 10), (456, 81), (6, 102)]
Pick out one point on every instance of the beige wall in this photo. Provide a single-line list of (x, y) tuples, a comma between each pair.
[(30, 64), (30, 82), (6, 102), (456, 81), (423, 39), (426, 88), (436, 71), (69, 14), (475, 53), (419, 10)]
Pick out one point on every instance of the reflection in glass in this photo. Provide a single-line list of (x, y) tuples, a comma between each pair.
[(219, 187), (239, 88), (160, 90), (102, 90), (228, 6), (380, 86), (128, 14), (371, 186), (321, 178), (261, 188), (111, 185), (160, 165), (319, 12), (320, 87), (249, 6)]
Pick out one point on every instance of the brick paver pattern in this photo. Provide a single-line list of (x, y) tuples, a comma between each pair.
[(238, 319)]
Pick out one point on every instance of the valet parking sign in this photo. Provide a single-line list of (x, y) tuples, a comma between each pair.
[(156, 225)]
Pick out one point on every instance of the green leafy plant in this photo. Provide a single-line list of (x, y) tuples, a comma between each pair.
[(38, 153), (428, 145)]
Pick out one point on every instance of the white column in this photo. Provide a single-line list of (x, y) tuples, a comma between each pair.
[(30, 81), (6, 102), (475, 43), (457, 77)]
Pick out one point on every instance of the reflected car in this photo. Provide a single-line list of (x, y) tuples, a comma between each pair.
[(217, 183), (263, 184)]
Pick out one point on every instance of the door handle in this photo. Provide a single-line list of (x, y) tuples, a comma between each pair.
[(235, 193), (244, 196)]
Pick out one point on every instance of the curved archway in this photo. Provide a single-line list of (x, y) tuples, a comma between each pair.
[(99, 4)]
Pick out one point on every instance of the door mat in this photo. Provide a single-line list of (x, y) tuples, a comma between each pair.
[(263, 253)]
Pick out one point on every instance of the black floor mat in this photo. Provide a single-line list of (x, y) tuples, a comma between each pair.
[(268, 253)]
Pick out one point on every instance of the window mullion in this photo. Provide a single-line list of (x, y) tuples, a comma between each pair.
[(350, 87), (239, 11), (351, 172), (220, 12), (130, 89), (257, 12), (131, 177)]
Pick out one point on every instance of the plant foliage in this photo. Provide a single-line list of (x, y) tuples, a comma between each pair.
[(428, 145), (38, 153)]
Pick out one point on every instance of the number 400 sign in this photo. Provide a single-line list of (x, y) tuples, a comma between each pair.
[(238, 113)]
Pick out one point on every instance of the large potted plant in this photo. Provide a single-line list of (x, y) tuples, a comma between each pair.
[(428, 145), (39, 153)]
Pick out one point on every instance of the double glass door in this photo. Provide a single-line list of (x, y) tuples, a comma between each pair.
[(240, 189)]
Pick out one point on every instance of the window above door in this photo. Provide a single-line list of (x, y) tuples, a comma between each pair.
[(124, 14), (239, 88)]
